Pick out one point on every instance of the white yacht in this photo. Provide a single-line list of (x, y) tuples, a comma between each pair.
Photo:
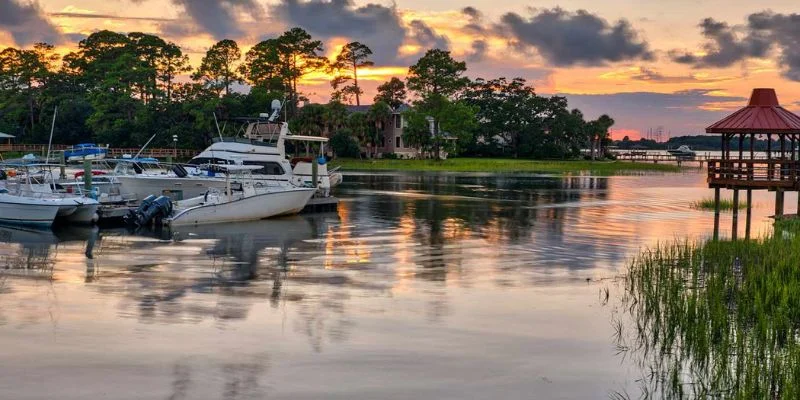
[(262, 144)]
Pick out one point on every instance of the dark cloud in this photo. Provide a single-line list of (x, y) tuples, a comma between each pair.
[(475, 25), (479, 48), (219, 17), (567, 38), (764, 31), (377, 26), (783, 31), (682, 112), (426, 37), (27, 23), (723, 48)]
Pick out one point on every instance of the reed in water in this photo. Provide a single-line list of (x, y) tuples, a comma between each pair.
[(716, 319)]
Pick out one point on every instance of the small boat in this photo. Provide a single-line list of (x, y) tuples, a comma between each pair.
[(26, 210), (85, 151), (34, 184), (242, 200), (682, 151)]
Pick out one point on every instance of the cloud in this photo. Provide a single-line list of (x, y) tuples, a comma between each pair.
[(81, 15), (479, 49), (475, 25), (27, 23), (764, 32), (723, 48), (682, 112), (645, 74), (782, 31), (567, 38), (377, 26), (219, 17), (426, 37)]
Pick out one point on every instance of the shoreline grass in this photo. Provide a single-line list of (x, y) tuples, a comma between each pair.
[(502, 165), (716, 319), (707, 204)]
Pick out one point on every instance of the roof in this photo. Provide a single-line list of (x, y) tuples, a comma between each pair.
[(6, 136), (763, 114)]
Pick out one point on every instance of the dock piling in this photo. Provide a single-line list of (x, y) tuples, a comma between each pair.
[(735, 219), (749, 213), (778, 203), (716, 213)]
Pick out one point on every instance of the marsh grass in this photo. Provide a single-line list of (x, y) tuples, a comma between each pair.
[(505, 165), (717, 319), (724, 204)]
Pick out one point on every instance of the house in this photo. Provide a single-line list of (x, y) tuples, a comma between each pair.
[(391, 140)]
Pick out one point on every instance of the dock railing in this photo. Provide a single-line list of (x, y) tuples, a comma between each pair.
[(756, 173)]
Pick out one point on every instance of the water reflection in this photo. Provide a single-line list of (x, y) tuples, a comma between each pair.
[(424, 270)]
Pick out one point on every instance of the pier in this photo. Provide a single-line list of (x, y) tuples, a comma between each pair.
[(642, 156)]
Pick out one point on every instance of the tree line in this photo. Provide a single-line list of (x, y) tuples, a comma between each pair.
[(120, 89)]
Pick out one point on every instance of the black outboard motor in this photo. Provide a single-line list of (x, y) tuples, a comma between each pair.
[(160, 208), (179, 171), (133, 215)]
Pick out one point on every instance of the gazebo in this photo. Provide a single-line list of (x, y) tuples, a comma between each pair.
[(777, 170), (7, 137)]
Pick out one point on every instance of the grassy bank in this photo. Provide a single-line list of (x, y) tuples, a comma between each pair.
[(724, 204), (502, 165), (717, 319)]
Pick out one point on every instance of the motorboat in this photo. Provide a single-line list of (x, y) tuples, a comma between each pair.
[(682, 152), (85, 151), (261, 143), (27, 210), (35, 182), (243, 199)]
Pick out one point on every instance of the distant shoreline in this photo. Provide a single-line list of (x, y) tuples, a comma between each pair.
[(467, 164)]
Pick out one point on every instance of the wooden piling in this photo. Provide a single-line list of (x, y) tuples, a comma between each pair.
[(778, 203), (749, 214), (735, 220), (716, 213)]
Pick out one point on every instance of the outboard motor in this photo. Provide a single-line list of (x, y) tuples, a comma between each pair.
[(133, 215), (160, 208), (179, 171)]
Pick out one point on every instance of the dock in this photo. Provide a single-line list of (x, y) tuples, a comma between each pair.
[(636, 156)]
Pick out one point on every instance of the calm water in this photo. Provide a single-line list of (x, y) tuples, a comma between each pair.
[(421, 286)]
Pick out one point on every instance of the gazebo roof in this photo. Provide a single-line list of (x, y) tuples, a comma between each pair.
[(763, 114), (6, 136)]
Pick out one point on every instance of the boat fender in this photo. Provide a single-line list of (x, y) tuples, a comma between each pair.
[(322, 160), (179, 171)]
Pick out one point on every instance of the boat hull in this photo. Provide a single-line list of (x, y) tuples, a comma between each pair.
[(27, 211), (259, 206)]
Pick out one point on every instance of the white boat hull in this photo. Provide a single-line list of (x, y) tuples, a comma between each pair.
[(27, 211), (259, 206)]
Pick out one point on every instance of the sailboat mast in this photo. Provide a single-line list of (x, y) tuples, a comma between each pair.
[(52, 128)]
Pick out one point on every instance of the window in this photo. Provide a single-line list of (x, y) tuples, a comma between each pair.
[(267, 167), (397, 141), (206, 160), (398, 120)]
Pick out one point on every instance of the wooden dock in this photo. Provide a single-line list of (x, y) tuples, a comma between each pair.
[(635, 156)]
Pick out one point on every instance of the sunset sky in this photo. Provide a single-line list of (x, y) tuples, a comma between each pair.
[(677, 64)]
